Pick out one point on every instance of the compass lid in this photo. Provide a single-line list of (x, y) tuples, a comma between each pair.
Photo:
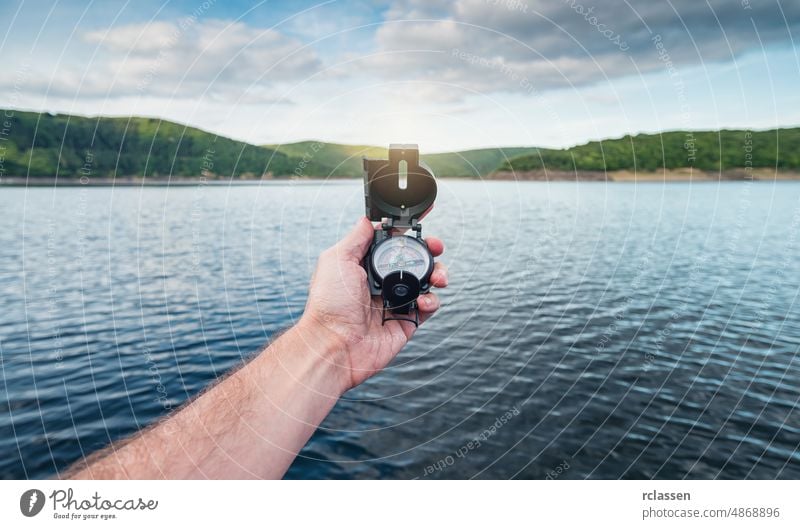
[(401, 188)]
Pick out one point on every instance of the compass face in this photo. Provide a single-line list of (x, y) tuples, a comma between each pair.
[(402, 253)]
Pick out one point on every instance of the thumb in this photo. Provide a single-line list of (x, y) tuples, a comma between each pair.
[(355, 244)]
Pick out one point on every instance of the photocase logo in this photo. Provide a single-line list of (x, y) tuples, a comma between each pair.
[(31, 502)]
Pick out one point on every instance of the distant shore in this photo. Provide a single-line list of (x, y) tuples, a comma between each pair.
[(43, 181), (671, 175)]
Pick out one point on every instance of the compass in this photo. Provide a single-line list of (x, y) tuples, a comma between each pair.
[(398, 192)]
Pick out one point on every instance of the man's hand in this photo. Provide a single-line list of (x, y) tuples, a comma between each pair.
[(341, 308), (254, 422)]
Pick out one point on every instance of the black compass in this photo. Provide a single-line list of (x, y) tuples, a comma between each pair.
[(398, 191)]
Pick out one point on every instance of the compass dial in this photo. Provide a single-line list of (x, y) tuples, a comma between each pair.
[(402, 253)]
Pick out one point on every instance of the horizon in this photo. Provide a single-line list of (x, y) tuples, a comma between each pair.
[(449, 76)]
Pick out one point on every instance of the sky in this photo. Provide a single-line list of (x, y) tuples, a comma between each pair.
[(447, 75)]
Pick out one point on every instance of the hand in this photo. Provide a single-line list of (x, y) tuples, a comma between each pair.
[(341, 309), (253, 422)]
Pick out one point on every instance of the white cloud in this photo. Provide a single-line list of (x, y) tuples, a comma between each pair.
[(144, 38), (221, 59)]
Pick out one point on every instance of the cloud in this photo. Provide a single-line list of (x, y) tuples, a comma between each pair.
[(460, 47), (516, 45), (221, 59)]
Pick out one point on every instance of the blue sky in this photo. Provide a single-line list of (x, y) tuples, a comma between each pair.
[(444, 74)]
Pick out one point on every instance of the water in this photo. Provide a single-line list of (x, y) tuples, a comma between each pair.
[(605, 330)]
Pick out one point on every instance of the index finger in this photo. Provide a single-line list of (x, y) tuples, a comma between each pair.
[(435, 245)]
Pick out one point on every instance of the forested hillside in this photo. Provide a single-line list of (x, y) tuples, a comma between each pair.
[(70, 146), (710, 151)]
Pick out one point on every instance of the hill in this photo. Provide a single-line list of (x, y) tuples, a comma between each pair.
[(72, 146), (705, 150), (473, 163), (47, 145), (328, 159), (334, 159)]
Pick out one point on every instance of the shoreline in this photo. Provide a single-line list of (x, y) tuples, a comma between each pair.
[(756, 174), (43, 181), (668, 176)]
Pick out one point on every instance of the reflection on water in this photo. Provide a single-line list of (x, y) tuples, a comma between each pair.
[(603, 330)]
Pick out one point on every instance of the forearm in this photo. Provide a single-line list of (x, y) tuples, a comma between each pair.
[(250, 425)]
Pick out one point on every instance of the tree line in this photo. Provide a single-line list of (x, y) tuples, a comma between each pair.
[(706, 150)]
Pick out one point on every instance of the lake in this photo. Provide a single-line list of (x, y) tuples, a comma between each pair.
[(590, 330)]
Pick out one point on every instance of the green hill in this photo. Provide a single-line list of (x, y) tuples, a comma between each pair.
[(46, 145), (705, 150), (328, 159), (334, 159), (33, 144), (71, 146), (477, 162)]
